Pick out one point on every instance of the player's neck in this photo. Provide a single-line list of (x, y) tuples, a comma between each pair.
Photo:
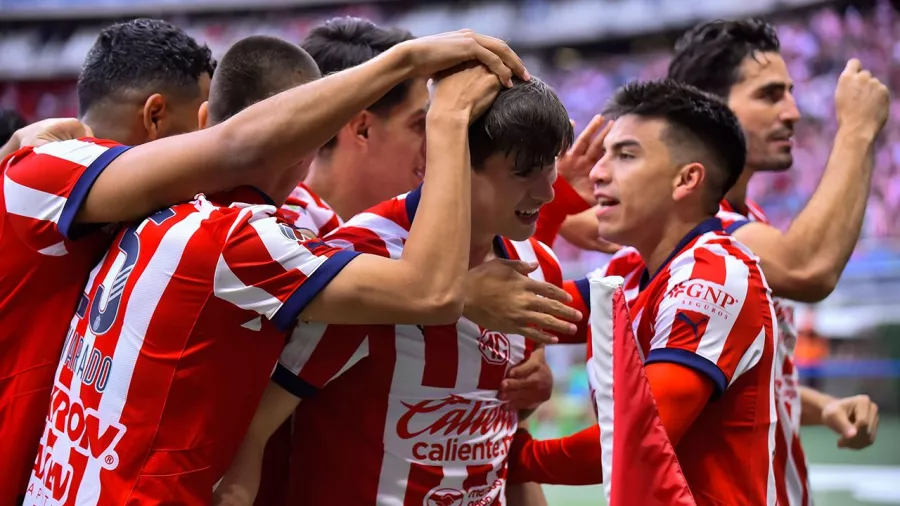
[(481, 249), (655, 251), (341, 194), (107, 124), (737, 195)]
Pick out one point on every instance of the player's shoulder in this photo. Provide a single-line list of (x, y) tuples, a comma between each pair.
[(380, 230), (716, 257)]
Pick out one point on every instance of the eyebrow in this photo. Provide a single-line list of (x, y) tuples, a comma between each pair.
[(629, 143), (776, 86)]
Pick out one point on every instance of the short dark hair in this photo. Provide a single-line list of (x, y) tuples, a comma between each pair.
[(142, 54), (701, 128), (10, 121), (254, 69), (527, 120), (709, 56), (345, 42)]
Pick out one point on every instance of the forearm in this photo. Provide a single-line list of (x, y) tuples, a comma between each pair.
[(241, 483), (812, 402), (825, 233), (441, 232), (572, 460), (278, 132)]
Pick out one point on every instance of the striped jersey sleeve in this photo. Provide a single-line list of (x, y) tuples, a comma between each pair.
[(266, 267), (318, 353), (712, 314), (44, 187), (307, 212)]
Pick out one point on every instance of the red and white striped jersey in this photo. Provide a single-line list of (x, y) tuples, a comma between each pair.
[(410, 412), (709, 308), (169, 351), (309, 213), (790, 459), (42, 273)]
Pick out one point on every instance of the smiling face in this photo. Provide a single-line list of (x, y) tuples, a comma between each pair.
[(505, 202), (763, 102), (638, 183)]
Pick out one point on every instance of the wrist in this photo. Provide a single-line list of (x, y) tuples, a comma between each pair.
[(864, 135), (447, 115), (398, 63)]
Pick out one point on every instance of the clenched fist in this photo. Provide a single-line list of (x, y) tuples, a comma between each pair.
[(861, 101)]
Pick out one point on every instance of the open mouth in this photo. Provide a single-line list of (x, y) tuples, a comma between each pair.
[(528, 215)]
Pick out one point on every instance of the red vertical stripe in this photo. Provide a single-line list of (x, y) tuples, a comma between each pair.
[(493, 371), (441, 356), (477, 476), (779, 465), (709, 266), (422, 479), (329, 358)]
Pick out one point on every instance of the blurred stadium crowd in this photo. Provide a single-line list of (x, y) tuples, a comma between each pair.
[(816, 46)]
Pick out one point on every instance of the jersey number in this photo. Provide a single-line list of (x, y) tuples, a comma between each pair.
[(102, 316)]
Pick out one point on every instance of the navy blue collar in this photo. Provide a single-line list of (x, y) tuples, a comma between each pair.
[(707, 225), (412, 205)]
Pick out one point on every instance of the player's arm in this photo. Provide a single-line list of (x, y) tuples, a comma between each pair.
[(274, 134), (264, 268), (240, 484), (410, 290), (854, 419), (806, 262), (44, 131)]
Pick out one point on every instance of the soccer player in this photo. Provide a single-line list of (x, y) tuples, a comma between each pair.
[(740, 62), (412, 412), (670, 156), (184, 318), (130, 91)]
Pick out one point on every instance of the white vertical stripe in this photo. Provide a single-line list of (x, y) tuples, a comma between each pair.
[(680, 271), (75, 151), (751, 356), (305, 338), (228, 287), (56, 250), (147, 292), (287, 252), (526, 254), (469, 366), (719, 330), (25, 201), (771, 492), (600, 366)]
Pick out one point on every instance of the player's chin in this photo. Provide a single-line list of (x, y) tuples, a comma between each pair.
[(612, 233), (520, 231), (777, 162)]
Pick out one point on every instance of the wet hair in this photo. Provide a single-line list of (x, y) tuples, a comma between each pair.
[(142, 54), (254, 69), (709, 56), (528, 121), (700, 128)]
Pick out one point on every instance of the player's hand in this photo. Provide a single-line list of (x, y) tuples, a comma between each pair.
[(861, 101), (52, 130), (429, 55), (469, 87), (583, 230), (575, 165), (528, 384), (500, 296), (855, 419)]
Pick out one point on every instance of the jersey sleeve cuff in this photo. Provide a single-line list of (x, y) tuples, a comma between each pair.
[(295, 385), (731, 229), (80, 192), (584, 288), (286, 316), (695, 362)]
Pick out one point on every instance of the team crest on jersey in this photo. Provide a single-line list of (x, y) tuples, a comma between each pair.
[(290, 233), (494, 346), (444, 497)]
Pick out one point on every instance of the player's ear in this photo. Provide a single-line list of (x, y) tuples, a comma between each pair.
[(154, 112), (360, 126), (203, 115), (688, 180)]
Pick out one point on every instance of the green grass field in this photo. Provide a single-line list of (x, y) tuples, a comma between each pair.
[(839, 477)]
